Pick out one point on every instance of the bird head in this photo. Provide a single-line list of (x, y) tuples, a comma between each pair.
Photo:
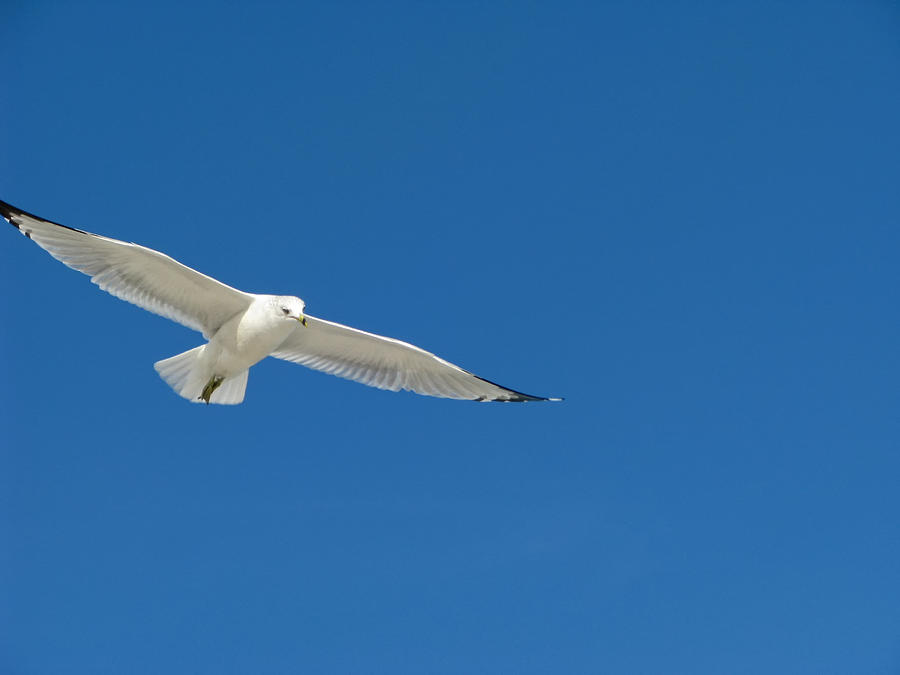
[(291, 308)]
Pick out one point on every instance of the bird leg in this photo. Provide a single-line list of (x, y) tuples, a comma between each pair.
[(210, 387)]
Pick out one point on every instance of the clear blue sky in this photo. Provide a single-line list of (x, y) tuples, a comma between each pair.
[(683, 217)]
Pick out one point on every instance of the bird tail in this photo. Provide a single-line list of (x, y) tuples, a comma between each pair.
[(187, 376)]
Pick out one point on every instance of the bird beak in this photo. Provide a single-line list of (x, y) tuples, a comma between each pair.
[(301, 319)]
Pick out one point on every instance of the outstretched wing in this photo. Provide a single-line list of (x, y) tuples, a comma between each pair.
[(386, 363), (137, 274)]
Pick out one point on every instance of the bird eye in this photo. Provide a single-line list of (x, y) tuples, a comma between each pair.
[(285, 310)]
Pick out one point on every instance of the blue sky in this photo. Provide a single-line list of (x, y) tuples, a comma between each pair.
[(683, 217)]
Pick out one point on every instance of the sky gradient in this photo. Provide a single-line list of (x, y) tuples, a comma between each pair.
[(682, 217)]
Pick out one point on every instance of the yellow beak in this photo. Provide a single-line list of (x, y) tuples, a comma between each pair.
[(302, 320)]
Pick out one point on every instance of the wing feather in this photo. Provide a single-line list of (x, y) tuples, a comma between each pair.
[(136, 274), (386, 363)]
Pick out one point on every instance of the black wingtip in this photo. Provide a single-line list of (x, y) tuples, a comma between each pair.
[(517, 397), (7, 211)]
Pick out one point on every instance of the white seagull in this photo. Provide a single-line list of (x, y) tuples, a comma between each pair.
[(244, 328)]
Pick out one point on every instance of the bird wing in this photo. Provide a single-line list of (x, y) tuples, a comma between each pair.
[(386, 363), (137, 274)]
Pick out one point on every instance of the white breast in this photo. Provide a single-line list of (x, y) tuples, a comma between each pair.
[(249, 337)]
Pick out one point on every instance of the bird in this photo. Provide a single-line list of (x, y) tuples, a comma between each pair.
[(243, 328)]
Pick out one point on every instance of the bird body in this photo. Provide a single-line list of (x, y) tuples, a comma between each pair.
[(246, 339), (242, 341), (244, 328)]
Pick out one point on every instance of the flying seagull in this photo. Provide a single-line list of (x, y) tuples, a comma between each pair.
[(244, 328)]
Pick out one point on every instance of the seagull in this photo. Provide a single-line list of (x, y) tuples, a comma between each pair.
[(242, 328)]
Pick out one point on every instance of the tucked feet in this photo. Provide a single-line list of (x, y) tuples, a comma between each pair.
[(214, 382)]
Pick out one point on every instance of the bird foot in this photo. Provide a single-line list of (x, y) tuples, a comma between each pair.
[(214, 382)]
